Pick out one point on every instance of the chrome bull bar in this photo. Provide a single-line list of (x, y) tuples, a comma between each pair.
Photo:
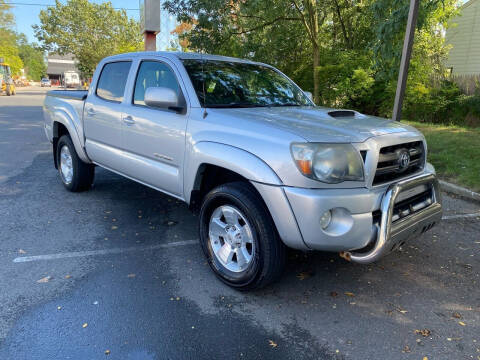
[(392, 234)]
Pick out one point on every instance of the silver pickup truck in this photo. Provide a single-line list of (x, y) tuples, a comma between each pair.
[(248, 150)]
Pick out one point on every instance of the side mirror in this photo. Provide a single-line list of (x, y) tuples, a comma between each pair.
[(309, 95), (162, 97)]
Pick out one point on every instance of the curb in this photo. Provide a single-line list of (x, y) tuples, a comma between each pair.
[(460, 191)]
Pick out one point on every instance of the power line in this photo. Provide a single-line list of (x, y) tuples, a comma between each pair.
[(34, 4)]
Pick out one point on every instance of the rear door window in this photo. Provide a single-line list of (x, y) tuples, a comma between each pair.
[(112, 81)]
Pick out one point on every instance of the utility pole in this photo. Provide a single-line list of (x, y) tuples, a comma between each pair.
[(405, 61), (150, 18)]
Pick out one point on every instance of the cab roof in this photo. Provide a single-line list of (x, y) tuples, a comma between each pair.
[(182, 56)]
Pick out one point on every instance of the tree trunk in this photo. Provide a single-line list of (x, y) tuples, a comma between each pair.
[(316, 63)]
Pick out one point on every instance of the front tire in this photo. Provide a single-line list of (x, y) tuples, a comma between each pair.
[(239, 238), (75, 174)]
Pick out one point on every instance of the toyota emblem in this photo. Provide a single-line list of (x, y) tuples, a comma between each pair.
[(403, 160)]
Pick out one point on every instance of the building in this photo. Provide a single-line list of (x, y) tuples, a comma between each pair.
[(464, 37), (57, 65)]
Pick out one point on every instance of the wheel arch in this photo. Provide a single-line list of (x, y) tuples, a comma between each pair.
[(214, 162), (63, 125)]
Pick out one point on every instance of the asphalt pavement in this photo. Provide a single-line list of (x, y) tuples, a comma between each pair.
[(117, 273)]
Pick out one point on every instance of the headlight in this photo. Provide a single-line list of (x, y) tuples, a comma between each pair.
[(330, 163)]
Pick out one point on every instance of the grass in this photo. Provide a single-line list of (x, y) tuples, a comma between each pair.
[(454, 151)]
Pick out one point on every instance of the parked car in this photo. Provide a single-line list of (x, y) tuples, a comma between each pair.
[(249, 151), (45, 83)]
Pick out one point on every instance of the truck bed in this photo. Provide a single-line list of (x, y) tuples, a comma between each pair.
[(69, 94)]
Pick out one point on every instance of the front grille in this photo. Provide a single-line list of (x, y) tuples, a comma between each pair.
[(389, 167)]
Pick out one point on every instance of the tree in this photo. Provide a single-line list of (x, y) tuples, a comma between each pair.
[(219, 21), (88, 31), (8, 39), (6, 17), (33, 58)]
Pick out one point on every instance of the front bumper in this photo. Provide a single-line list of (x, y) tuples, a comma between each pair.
[(391, 235), (364, 226)]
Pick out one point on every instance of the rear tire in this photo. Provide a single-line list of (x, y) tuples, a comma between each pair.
[(239, 238), (75, 174)]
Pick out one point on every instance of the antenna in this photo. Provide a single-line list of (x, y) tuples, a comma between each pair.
[(203, 87)]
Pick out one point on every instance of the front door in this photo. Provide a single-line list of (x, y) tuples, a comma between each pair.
[(154, 139)]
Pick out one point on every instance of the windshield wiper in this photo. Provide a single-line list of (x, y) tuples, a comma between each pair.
[(284, 104), (234, 105)]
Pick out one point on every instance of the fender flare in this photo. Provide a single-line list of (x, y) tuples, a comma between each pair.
[(62, 117), (229, 157)]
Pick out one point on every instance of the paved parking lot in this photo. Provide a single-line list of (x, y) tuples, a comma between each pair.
[(116, 273)]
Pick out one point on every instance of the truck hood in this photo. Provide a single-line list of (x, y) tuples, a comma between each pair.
[(316, 124)]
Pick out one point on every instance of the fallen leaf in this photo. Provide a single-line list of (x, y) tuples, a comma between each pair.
[(456, 315), (131, 275), (425, 358), (333, 294), (272, 343), (59, 308), (44, 279), (423, 332), (348, 293), (107, 352), (114, 227), (304, 275), (462, 323), (455, 339), (68, 276), (84, 325), (406, 349), (22, 251)]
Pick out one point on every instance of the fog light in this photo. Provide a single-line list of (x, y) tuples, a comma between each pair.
[(325, 219)]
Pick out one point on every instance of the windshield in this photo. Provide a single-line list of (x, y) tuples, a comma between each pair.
[(235, 84)]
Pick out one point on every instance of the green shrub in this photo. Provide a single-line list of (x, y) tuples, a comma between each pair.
[(445, 104)]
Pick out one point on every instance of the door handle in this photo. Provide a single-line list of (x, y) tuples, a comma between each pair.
[(91, 112), (128, 120)]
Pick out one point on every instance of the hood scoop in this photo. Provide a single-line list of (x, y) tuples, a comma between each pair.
[(341, 113)]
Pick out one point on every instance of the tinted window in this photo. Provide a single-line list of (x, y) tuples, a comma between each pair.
[(111, 85), (236, 84), (153, 74)]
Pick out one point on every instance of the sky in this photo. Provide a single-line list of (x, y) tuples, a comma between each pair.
[(27, 15)]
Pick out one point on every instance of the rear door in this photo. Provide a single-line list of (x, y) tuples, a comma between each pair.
[(154, 139), (103, 115)]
